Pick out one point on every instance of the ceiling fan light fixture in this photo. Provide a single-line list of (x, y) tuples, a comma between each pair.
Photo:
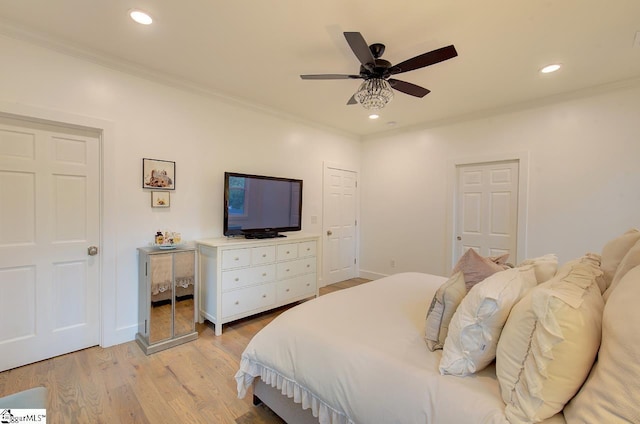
[(141, 17), (374, 116), (374, 93)]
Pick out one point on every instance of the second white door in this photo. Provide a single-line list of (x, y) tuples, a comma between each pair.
[(487, 209), (339, 225)]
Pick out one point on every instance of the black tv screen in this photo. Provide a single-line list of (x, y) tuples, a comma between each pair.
[(258, 206)]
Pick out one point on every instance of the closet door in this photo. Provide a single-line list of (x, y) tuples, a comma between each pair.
[(49, 219)]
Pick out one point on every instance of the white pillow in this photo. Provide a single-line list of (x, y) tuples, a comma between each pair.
[(614, 251), (545, 266), (610, 393), (475, 327), (443, 306), (549, 343), (630, 261)]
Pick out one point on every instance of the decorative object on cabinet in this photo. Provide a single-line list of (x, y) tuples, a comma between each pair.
[(158, 174), (241, 277), (160, 199), (167, 298)]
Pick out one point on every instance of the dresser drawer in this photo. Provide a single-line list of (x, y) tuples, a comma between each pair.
[(287, 251), (236, 258), (307, 248), (242, 277), (297, 267), (263, 255), (245, 300), (301, 286)]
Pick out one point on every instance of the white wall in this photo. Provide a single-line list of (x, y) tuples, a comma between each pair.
[(584, 180), (203, 135)]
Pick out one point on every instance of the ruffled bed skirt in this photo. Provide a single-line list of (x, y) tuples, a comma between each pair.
[(250, 370)]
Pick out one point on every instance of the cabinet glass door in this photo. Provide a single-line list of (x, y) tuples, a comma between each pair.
[(161, 297), (184, 318)]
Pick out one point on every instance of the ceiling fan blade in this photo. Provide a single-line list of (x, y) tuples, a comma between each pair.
[(360, 49), (408, 88), (329, 77), (352, 100), (425, 59)]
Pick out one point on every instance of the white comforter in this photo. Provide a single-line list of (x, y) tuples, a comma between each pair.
[(359, 356)]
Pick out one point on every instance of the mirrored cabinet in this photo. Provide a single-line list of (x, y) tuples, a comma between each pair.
[(167, 290)]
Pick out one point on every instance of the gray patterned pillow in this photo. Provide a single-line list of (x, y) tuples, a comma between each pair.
[(443, 306)]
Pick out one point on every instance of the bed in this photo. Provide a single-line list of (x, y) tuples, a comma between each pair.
[(359, 356)]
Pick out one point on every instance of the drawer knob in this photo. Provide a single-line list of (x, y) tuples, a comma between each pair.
[(308, 265), (237, 279), (264, 255), (308, 284), (287, 270), (308, 248), (287, 252), (237, 302), (264, 274), (236, 259), (264, 296), (287, 290)]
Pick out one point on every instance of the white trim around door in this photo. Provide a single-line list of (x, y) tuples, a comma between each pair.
[(110, 333), (523, 185)]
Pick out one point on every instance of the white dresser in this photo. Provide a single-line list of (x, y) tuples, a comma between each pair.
[(241, 277)]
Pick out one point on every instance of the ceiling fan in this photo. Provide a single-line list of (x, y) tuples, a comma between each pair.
[(375, 91)]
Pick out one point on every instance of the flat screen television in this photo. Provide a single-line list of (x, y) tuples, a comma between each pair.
[(257, 206)]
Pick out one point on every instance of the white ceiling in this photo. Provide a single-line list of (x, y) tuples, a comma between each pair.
[(254, 51)]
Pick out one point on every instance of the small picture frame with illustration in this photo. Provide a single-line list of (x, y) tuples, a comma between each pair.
[(160, 199)]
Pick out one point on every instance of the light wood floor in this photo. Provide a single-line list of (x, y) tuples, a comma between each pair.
[(190, 383)]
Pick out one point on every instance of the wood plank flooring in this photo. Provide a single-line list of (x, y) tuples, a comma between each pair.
[(190, 383)]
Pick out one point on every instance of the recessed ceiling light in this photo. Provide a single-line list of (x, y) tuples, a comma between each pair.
[(374, 116), (140, 17), (550, 68)]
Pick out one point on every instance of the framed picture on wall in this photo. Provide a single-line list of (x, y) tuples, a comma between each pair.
[(158, 174), (160, 199)]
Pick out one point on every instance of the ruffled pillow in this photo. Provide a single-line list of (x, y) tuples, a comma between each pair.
[(549, 343)]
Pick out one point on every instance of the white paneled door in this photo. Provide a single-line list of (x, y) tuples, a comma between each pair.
[(487, 209), (339, 225), (49, 218)]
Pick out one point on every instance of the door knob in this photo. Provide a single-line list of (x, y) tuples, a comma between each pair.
[(329, 232), (92, 250), (458, 238)]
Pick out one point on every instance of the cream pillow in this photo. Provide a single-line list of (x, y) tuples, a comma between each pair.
[(614, 251), (549, 343), (476, 325), (630, 260), (545, 266), (476, 268), (443, 306), (610, 393)]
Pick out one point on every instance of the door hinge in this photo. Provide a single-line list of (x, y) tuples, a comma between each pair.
[(356, 223), (356, 184), (145, 268), (355, 261)]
